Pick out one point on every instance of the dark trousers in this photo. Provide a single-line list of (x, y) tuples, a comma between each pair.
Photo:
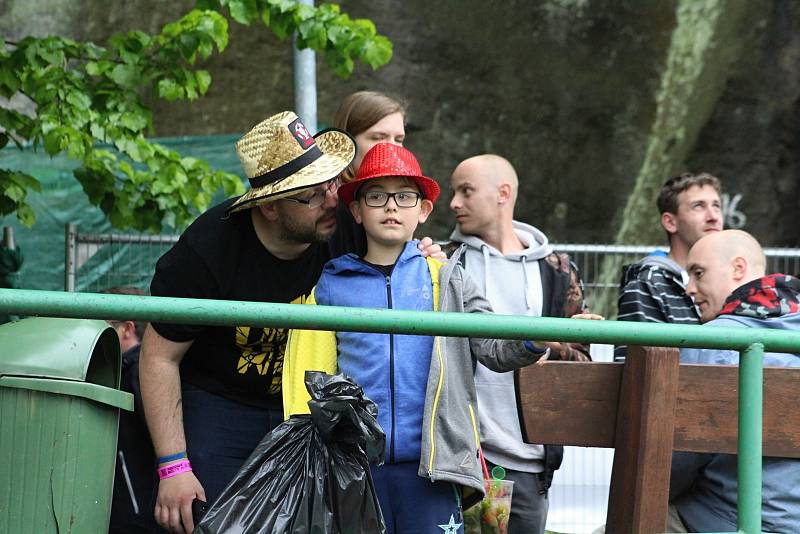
[(220, 435), (412, 504)]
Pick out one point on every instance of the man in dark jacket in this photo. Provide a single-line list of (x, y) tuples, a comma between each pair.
[(728, 282), (654, 289), (514, 265)]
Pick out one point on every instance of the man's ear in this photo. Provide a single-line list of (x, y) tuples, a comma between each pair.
[(669, 222), (739, 268), (129, 328), (503, 193), (269, 211), (426, 207), (355, 209)]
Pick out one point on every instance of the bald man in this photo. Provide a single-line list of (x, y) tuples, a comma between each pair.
[(515, 267), (727, 281)]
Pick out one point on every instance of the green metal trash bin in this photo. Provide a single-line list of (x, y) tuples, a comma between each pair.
[(59, 411)]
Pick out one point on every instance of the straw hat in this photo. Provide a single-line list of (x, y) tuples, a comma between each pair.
[(280, 158), (386, 159)]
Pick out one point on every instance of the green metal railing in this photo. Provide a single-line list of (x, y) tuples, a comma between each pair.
[(750, 342)]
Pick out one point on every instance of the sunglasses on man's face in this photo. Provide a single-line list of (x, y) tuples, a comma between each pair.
[(316, 198)]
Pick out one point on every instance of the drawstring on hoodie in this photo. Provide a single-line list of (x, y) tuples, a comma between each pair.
[(487, 277), (528, 304), (485, 252)]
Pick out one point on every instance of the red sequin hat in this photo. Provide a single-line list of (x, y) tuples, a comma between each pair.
[(386, 159)]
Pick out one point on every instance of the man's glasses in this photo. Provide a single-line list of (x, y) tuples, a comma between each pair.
[(317, 197), (403, 199)]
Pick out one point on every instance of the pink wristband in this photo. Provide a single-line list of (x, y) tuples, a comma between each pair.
[(171, 470)]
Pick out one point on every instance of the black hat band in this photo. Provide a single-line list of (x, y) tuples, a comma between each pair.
[(287, 169)]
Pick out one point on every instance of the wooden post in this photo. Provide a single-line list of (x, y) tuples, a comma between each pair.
[(639, 493)]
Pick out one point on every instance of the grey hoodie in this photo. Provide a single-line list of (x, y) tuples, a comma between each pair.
[(512, 284)]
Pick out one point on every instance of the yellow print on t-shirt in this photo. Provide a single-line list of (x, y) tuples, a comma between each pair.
[(262, 349)]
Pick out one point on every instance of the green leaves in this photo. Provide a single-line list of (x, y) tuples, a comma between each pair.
[(377, 51), (86, 95), (88, 102), (157, 186), (126, 76), (14, 188), (323, 28), (170, 90), (203, 78), (243, 11)]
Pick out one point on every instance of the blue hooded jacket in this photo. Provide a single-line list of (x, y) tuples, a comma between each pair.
[(703, 487), (392, 368)]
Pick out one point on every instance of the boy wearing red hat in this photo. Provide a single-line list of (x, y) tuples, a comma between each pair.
[(423, 385)]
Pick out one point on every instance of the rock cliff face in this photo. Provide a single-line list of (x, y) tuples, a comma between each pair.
[(565, 89)]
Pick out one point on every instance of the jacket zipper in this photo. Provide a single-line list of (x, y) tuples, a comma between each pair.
[(437, 341), (438, 350), (391, 372), (474, 426)]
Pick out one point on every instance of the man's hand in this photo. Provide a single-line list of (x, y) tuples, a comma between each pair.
[(588, 316), (174, 505), (429, 248), (564, 351)]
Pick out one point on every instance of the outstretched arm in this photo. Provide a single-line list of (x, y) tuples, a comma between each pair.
[(499, 355)]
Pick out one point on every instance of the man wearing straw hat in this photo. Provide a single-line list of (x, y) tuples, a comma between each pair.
[(212, 393)]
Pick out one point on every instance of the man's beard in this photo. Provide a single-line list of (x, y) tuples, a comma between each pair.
[(304, 231)]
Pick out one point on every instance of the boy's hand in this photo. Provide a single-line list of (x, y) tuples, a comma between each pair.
[(563, 348), (429, 248)]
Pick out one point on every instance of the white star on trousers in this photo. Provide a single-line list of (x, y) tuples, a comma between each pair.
[(451, 527)]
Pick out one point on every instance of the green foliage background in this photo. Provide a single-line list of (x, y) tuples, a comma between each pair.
[(88, 103)]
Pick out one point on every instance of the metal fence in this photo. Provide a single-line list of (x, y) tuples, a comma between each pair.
[(97, 261), (93, 262)]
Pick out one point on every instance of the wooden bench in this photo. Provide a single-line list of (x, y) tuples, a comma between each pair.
[(645, 409)]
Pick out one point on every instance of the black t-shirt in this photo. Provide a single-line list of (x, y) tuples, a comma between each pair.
[(349, 236), (222, 258)]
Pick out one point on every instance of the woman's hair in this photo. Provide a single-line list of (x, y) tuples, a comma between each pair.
[(360, 110)]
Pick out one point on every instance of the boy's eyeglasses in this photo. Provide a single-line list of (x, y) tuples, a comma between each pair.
[(317, 197), (403, 199)]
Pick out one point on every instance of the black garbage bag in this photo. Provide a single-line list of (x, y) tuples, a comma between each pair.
[(311, 473)]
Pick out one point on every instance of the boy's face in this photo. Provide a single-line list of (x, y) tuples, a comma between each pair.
[(390, 224)]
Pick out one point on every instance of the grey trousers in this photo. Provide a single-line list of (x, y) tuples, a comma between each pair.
[(528, 506)]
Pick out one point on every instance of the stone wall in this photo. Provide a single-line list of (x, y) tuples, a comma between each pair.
[(563, 88)]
